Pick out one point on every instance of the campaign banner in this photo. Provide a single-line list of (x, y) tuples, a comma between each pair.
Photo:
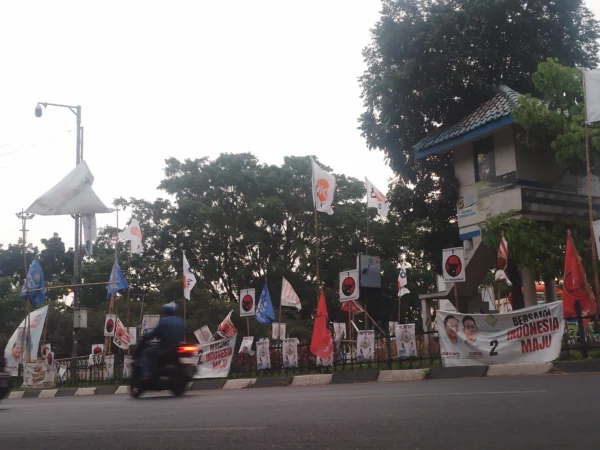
[(406, 343), (122, 338), (127, 366), (38, 374), (263, 355), (149, 323), (279, 330), (290, 353), (14, 352), (214, 358), (530, 335), (365, 341), (328, 362), (109, 362)]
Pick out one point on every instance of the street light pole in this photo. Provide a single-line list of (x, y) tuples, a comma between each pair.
[(76, 248)]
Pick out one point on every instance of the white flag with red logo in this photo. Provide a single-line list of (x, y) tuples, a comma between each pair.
[(289, 296), (402, 281), (122, 338), (189, 280), (133, 233), (227, 329), (502, 262), (376, 199), (323, 187)]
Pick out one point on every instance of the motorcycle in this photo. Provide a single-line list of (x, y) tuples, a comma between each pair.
[(5, 379), (176, 368)]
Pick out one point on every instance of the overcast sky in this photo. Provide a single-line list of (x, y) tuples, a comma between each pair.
[(181, 79)]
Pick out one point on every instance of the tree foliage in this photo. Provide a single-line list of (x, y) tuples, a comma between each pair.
[(431, 63)]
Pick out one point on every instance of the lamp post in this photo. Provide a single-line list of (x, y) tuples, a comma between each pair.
[(76, 248)]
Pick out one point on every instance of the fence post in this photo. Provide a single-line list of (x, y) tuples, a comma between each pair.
[(581, 331), (389, 347)]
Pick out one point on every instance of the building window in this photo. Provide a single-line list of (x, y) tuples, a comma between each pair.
[(483, 155)]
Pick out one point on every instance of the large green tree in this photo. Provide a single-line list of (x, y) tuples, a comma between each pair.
[(433, 62)]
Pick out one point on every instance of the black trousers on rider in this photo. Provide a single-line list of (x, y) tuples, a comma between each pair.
[(150, 361)]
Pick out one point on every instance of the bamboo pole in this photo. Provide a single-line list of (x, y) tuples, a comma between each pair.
[(589, 193), (456, 296), (27, 342), (108, 340), (64, 286), (317, 243)]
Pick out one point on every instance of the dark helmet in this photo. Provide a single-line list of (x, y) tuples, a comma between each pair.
[(168, 309)]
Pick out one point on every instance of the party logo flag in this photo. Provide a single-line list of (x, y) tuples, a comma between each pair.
[(264, 309), (117, 281), (34, 286), (227, 329), (289, 296), (323, 187), (376, 199), (189, 280), (133, 233)]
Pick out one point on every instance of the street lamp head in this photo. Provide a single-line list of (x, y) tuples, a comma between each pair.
[(38, 110)]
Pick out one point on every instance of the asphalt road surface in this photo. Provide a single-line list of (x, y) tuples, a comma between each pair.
[(550, 412)]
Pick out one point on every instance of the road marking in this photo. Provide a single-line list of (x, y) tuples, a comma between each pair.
[(137, 430), (441, 394)]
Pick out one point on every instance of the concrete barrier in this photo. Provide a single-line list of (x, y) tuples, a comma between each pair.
[(390, 376), (85, 391), (240, 383), (312, 380), (48, 393), (515, 370), (122, 390), (16, 394)]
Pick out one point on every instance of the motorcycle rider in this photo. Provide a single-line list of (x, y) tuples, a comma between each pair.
[(170, 331)]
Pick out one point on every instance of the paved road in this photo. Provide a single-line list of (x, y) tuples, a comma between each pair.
[(551, 412)]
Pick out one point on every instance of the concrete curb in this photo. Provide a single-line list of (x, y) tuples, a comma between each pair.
[(384, 376), (515, 370)]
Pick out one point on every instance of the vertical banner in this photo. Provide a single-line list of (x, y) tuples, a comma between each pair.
[(214, 358), (327, 362), (349, 285), (453, 265), (365, 340), (263, 355), (339, 332), (406, 343), (15, 348), (109, 363), (110, 323), (127, 365), (246, 347), (597, 237), (279, 330), (149, 323), (247, 302), (133, 335), (290, 353), (392, 327), (530, 335)]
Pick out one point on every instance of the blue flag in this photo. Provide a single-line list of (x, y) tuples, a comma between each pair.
[(35, 280), (264, 309), (117, 281)]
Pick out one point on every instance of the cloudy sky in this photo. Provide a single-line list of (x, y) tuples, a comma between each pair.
[(181, 79)]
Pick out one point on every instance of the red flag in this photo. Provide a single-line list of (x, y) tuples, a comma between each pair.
[(322, 342), (575, 285), (354, 309), (227, 329), (502, 254)]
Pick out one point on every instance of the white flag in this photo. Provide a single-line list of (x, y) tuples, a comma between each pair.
[(376, 199), (133, 233), (323, 187), (402, 280), (189, 280), (592, 95), (289, 296)]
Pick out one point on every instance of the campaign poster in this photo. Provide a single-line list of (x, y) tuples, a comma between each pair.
[(246, 347), (328, 362), (365, 341), (406, 343), (149, 323), (38, 375), (290, 353), (263, 355), (530, 335), (214, 358), (14, 353)]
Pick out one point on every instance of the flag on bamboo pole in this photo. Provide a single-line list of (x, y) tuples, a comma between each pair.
[(264, 309), (133, 234), (289, 296), (226, 328), (189, 280), (117, 281), (35, 280), (376, 199), (502, 262), (321, 344), (323, 188), (575, 285), (592, 95), (402, 281)]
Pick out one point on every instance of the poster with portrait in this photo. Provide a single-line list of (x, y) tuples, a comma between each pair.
[(109, 363), (530, 335), (246, 347), (127, 366), (38, 375), (14, 352), (290, 353), (406, 343), (365, 342), (263, 355), (328, 362)]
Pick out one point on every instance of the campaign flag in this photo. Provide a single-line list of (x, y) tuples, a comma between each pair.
[(16, 348), (117, 281), (502, 262), (402, 280), (290, 353), (376, 199), (263, 354), (322, 341), (133, 234), (264, 310), (90, 232), (227, 328), (35, 280), (575, 285), (122, 339), (323, 188), (203, 334), (592, 95), (189, 280), (289, 296)]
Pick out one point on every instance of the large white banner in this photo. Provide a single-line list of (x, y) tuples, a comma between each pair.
[(530, 335), (214, 358), (365, 341), (15, 349), (38, 374), (406, 344)]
